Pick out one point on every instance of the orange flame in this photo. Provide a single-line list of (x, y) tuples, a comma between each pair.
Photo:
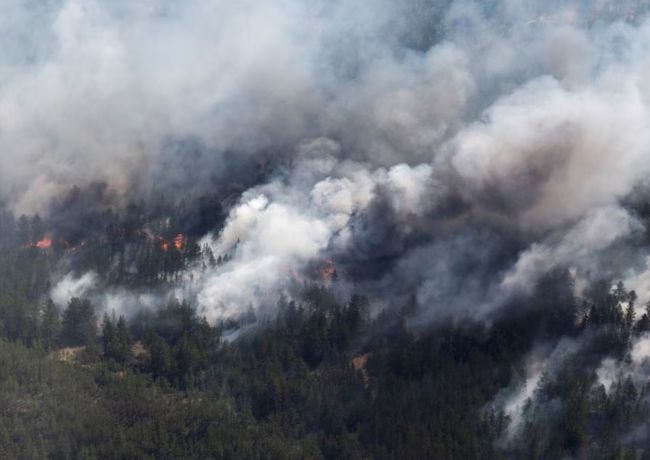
[(45, 243), (179, 241), (165, 246)]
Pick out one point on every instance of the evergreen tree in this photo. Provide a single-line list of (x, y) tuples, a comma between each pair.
[(50, 326), (160, 355), (116, 339), (123, 340), (78, 322)]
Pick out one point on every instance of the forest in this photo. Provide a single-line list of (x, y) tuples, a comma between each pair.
[(318, 378)]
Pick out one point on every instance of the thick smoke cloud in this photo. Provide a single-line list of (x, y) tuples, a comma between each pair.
[(108, 85), (446, 154)]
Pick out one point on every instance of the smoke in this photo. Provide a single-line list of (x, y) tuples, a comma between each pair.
[(542, 363), (267, 241), (110, 299), (100, 88), (442, 153), (276, 231), (636, 366), (595, 232), (69, 287)]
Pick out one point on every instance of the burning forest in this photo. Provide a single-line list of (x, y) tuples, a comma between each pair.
[(326, 229)]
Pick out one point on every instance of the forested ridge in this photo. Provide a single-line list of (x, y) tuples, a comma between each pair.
[(318, 378)]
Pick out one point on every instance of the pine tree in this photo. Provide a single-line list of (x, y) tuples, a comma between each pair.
[(108, 336), (160, 355), (50, 326), (78, 322), (123, 340), (116, 339), (644, 323)]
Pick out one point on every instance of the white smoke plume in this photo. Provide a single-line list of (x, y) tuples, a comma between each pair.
[(110, 300), (69, 287)]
